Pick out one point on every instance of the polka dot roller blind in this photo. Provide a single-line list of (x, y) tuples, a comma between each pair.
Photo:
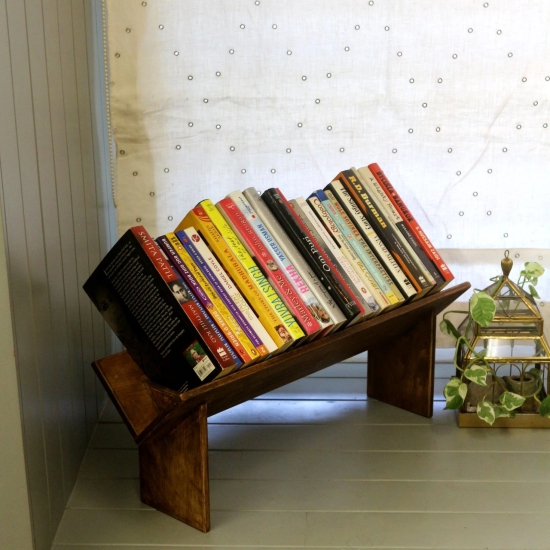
[(450, 98)]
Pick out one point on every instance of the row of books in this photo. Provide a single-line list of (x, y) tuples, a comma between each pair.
[(254, 275)]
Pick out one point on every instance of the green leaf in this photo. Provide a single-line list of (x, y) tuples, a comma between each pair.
[(486, 411), (455, 392), (535, 373), (511, 401), (477, 374), (533, 292), (544, 409), (482, 308), (446, 327), (502, 412), (534, 269)]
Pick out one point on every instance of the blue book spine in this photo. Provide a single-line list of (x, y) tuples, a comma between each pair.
[(222, 293)]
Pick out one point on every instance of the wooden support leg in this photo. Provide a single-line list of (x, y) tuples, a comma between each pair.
[(401, 371), (174, 471)]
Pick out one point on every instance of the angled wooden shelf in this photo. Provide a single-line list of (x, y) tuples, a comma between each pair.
[(170, 429)]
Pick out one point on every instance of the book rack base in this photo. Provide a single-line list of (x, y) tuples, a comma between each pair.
[(171, 430)]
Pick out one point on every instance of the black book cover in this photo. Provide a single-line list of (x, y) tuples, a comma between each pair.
[(140, 300), (311, 253), (380, 224)]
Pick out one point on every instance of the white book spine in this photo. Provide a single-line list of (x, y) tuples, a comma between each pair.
[(374, 241), (231, 289), (364, 175), (281, 259), (359, 287), (349, 252), (302, 268)]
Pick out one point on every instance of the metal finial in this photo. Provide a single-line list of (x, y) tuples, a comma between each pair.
[(506, 264)]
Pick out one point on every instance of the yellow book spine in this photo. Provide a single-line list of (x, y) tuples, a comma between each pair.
[(217, 309), (290, 323), (198, 219)]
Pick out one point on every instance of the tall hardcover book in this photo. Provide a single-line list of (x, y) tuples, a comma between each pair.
[(382, 202), (335, 227), (139, 295), (312, 253), (226, 256), (283, 262), (387, 234), (344, 198), (411, 222), (350, 276), (230, 295), (298, 269), (268, 268), (208, 298)]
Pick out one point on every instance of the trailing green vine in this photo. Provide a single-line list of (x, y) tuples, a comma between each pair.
[(482, 311)]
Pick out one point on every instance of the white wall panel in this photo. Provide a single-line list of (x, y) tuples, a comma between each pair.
[(57, 226)]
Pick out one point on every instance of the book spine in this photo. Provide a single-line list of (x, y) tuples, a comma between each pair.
[(329, 312), (335, 227), (381, 200), (231, 290), (363, 245), (242, 344), (350, 276), (189, 245), (386, 233), (311, 252), (268, 267), (411, 222), (204, 368), (200, 220), (351, 208), (200, 318), (282, 261), (292, 327)]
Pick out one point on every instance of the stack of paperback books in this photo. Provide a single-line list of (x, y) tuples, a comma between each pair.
[(252, 276)]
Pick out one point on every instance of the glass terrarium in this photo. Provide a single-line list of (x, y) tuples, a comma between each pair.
[(512, 344)]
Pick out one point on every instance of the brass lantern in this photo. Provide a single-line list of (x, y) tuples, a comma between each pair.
[(513, 344)]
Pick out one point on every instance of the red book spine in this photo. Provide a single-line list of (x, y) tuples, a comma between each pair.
[(411, 222), (321, 253), (201, 320), (155, 255), (169, 274), (262, 256)]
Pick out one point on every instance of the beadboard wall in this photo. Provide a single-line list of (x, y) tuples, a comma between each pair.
[(58, 222)]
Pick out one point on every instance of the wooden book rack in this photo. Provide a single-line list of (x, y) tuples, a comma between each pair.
[(170, 429)]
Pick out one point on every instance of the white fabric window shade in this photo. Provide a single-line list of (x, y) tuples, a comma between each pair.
[(450, 98)]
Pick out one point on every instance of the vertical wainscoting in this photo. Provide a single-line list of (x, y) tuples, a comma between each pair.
[(59, 221)]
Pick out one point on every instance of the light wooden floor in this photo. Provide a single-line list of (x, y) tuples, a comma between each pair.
[(316, 465)]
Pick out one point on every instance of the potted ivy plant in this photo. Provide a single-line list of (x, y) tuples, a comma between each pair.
[(496, 396)]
